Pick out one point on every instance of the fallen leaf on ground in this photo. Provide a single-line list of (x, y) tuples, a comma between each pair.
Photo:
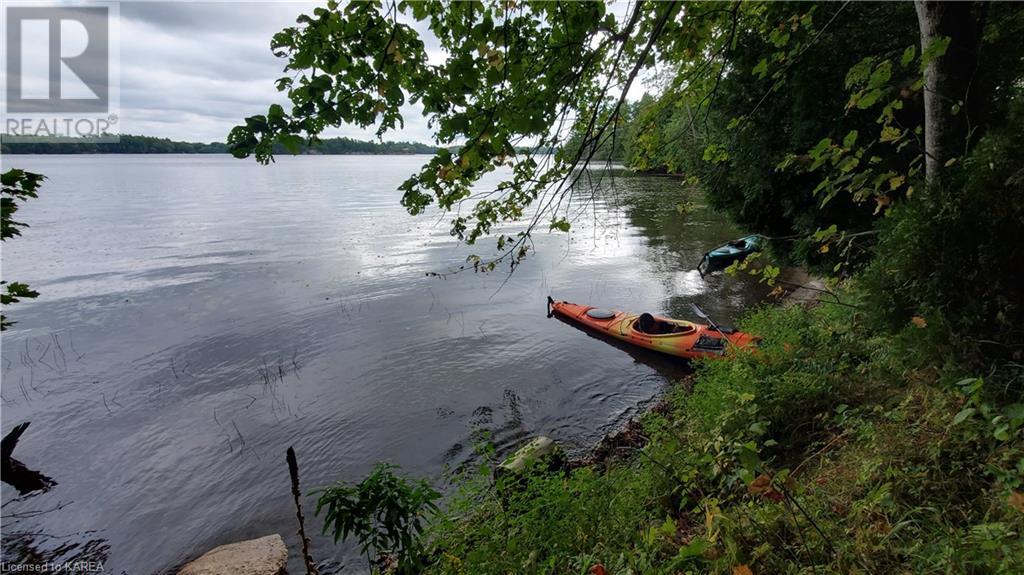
[(1016, 500), (763, 486)]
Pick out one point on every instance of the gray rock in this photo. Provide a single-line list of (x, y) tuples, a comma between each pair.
[(263, 556), (537, 449)]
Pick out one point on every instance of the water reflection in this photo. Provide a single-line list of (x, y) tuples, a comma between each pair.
[(76, 553), (678, 227)]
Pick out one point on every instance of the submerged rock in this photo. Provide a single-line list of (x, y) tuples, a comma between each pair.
[(263, 556), (538, 449)]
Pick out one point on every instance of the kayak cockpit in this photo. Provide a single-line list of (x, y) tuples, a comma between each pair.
[(649, 325)]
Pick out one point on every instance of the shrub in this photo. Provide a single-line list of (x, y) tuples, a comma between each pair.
[(385, 512), (954, 252)]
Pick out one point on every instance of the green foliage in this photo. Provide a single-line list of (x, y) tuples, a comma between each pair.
[(880, 169), (17, 186), (813, 132), (813, 117), (550, 74), (129, 144), (833, 445), (949, 251), (775, 117), (552, 523), (385, 512)]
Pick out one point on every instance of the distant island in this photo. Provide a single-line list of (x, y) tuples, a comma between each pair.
[(130, 144)]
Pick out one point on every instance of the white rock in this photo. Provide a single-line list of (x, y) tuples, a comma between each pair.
[(538, 448), (263, 556)]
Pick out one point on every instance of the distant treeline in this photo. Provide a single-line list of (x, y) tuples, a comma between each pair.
[(129, 144)]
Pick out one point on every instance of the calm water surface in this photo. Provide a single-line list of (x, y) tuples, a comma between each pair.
[(201, 314)]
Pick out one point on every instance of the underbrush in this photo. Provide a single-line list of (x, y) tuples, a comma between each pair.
[(832, 447)]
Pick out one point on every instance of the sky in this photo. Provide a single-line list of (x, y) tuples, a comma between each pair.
[(193, 70)]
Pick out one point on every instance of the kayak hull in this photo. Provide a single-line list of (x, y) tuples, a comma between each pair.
[(733, 251), (688, 340)]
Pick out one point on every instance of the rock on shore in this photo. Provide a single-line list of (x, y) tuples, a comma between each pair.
[(263, 556)]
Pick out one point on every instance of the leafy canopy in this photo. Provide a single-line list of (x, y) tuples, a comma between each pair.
[(17, 186), (513, 75)]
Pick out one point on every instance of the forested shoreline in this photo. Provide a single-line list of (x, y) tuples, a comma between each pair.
[(130, 144)]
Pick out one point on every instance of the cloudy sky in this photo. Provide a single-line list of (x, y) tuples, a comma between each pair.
[(192, 70)]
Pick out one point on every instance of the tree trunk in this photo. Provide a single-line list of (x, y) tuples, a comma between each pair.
[(947, 81)]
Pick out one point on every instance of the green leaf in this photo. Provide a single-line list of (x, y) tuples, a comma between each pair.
[(963, 415), (908, 55), (715, 153), (778, 38), (561, 225), (749, 459), (936, 49), (1014, 411), (819, 148), (869, 98), (291, 142), (881, 75), (859, 72), (890, 134), (822, 235), (848, 164), (695, 548), (761, 69)]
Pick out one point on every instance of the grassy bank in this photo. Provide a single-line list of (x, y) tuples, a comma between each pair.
[(834, 448)]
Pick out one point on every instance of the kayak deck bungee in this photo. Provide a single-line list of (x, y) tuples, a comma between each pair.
[(676, 337)]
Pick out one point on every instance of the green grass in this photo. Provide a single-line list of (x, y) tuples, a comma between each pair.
[(833, 448)]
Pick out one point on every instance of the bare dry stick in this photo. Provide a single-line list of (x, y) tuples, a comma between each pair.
[(293, 470)]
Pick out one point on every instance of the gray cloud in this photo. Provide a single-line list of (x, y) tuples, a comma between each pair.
[(215, 17), (193, 70)]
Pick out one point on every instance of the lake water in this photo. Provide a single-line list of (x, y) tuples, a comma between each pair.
[(200, 314)]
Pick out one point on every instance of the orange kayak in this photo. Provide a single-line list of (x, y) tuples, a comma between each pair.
[(672, 336)]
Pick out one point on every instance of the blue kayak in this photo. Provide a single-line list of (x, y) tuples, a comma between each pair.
[(731, 251)]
